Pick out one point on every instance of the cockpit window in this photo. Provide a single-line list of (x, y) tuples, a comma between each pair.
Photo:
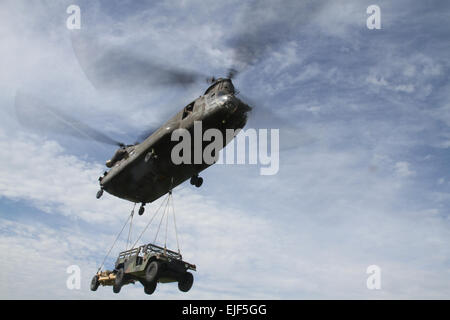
[(227, 86)]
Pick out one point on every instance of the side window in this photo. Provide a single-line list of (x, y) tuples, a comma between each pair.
[(188, 110)]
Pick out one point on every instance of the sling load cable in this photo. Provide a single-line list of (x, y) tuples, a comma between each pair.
[(167, 222), (126, 222), (104, 259), (162, 218), (148, 224), (175, 224), (166, 215), (131, 224)]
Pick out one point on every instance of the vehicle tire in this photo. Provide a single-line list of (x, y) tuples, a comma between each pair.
[(186, 281), (120, 275), (149, 288), (94, 283), (116, 289), (152, 271), (141, 210), (193, 180), (199, 182)]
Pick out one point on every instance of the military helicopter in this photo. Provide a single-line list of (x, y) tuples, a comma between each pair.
[(143, 172)]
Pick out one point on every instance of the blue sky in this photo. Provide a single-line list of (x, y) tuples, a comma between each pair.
[(368, 183)]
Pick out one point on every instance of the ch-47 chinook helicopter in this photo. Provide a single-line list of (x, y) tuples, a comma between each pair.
[(144, 172)]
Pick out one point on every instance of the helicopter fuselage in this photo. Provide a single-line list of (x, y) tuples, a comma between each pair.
[(144, 172)]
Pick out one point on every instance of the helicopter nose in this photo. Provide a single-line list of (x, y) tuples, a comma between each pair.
[(225, 103), (231, 103)]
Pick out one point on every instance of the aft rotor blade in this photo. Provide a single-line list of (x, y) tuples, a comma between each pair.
[(114, 68), (36, 115)]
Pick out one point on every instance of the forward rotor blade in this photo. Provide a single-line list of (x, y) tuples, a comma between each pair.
[(34, 114), (262, 117), (264, 25), (114, 68), (146, 133)]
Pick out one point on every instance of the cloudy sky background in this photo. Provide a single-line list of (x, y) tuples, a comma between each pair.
[(368, 183)]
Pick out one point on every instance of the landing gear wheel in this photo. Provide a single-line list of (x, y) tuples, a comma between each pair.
[(196, 181), (150, 287), (99, 193), (142, 209), (150, 155), (119, 278), (94, 283), (199, 182), (186, 281), (151, 273), (116, 289)]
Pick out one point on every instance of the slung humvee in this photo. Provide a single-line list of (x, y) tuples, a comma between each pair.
[(148, 264)]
